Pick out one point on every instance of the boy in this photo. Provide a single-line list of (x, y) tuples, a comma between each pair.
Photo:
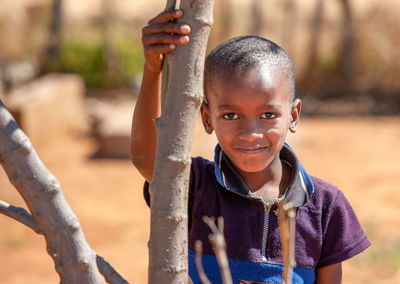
[(250, 105)]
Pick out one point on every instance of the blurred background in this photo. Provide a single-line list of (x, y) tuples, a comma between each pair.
[(70, 71)]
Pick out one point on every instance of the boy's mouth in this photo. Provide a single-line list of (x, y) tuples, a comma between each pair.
[(251, 150)]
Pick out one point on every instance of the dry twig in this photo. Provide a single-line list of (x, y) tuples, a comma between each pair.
[(217, 241), (287, 225), (199, 265)]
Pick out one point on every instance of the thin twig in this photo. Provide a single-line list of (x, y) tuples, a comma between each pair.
[(199, 251), (287, 225), (19, 214), (110, 275), (217, 241)]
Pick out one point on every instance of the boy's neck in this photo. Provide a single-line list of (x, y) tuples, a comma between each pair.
[(270, 183)]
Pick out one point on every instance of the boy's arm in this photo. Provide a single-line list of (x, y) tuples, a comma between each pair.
[(160, 36), (331, 274)]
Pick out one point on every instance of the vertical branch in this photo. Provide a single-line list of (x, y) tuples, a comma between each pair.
[(199, 265), (287, 226), (289, 26), (313, 45), (168, 245), (55, 29), (257, 15), (52, 49), (347, 48)]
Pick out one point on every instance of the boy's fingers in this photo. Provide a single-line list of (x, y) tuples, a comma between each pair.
[(157, 49), (166, 28), (162, 38), (166, 16)]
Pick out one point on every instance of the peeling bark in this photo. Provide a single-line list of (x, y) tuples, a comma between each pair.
[(168, 245)]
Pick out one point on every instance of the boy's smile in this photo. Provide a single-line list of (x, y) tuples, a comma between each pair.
[(251, 114)]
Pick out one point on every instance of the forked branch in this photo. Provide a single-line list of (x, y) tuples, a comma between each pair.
[(218, 244)]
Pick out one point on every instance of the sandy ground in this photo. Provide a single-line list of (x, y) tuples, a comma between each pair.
[(359, 155)]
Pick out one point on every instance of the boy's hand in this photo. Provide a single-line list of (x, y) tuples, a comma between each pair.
[(161, 35)]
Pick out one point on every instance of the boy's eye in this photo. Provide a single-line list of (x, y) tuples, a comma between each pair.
[(230, 116), (268, 115)]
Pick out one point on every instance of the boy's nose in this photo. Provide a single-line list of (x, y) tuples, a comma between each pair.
[(250, 131)]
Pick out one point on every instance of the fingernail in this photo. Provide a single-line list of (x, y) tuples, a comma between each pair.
[(183, 39), (172, 46), (178, 12), (185, 29)]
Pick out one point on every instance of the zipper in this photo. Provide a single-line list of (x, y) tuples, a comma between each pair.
[(267, 208)]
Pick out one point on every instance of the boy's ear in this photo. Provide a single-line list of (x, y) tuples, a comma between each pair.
[(295, 115), (206, 118)]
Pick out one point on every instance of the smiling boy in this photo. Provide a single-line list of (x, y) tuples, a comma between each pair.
[(250, 105)]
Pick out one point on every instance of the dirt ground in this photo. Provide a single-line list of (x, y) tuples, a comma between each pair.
[(359, 155)]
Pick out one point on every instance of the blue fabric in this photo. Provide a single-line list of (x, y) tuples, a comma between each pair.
[(307, 179), (250, 271), (217, 170), (218, 175)]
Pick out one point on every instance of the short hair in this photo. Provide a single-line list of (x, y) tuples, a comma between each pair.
[(242, 54)]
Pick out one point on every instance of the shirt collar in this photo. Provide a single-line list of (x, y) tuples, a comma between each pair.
[(299, 191)]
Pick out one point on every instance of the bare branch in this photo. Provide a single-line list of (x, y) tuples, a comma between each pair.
[(168, 252), (217, 241), (199, 251), (74, 259), (287, 225), (109, 273), (19, 214)]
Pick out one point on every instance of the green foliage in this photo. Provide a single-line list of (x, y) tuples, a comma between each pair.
[(88, 60)]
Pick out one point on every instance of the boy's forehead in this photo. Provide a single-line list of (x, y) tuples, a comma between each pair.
[(265, 76)]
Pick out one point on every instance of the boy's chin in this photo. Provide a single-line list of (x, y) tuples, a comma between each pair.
[(251, 169)]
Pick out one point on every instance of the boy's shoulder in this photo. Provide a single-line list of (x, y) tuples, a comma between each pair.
[(324, 188), (325, 195)]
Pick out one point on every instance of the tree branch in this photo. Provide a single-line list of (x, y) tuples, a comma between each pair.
[(74, 259), (168, 244), (199, 265), (19, 214), (287, 226), (217, 241), (109, 273)]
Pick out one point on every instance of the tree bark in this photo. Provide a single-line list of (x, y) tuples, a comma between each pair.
[(313, 45), (55, 29), (53, 47), (75, 261), (257, 16), (347, 49), (168, 245), (289, 26)]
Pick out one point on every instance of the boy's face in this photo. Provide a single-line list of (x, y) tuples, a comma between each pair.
[(251, 115)]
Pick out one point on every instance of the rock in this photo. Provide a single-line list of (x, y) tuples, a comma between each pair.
[(111, 124), (49, 107)]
